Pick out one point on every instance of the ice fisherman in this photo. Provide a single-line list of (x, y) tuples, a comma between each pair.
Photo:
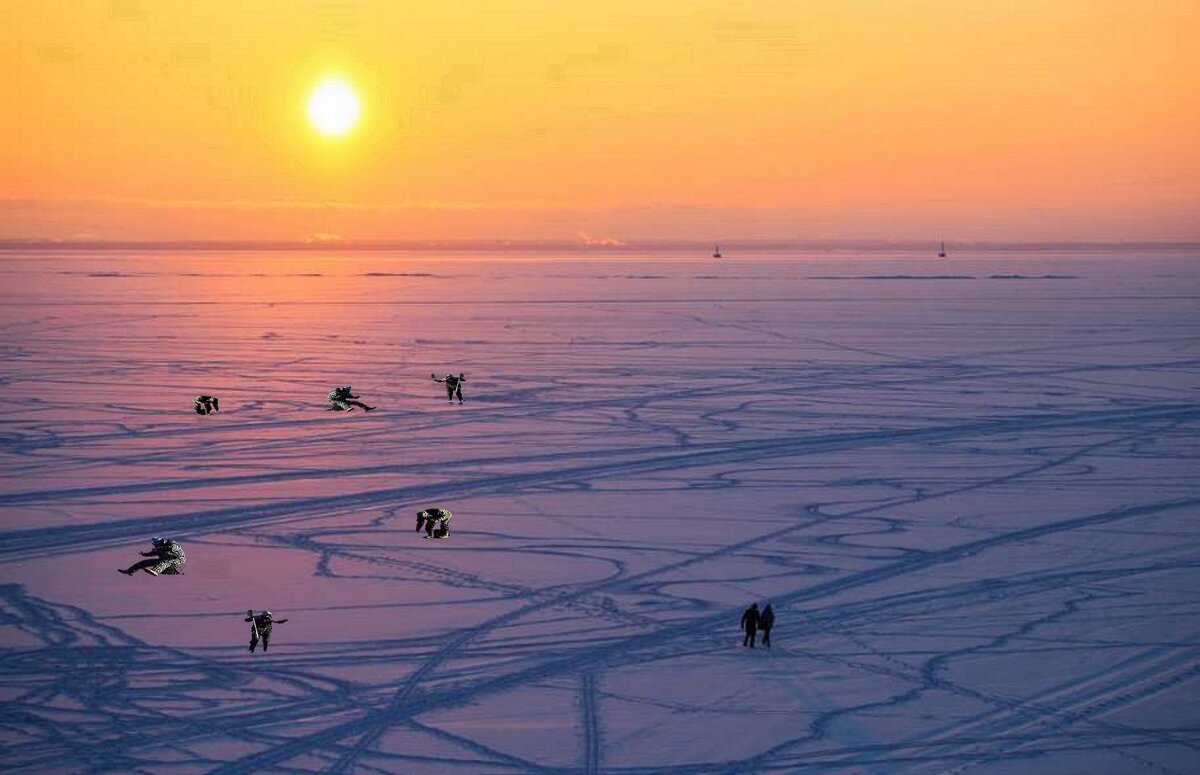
[(260, 627), (766, 620), (206, 404), (340, 400), (167, 557), (429, 518), (750, 619), (453, 386)]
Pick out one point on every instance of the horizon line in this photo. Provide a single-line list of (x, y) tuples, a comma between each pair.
[(622, 246)]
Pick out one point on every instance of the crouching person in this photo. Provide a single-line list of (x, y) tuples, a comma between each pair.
[(168, 558), (260, 628), (341, 400), (435, 521)]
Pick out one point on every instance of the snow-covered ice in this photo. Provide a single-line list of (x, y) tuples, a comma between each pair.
[(968, 487)]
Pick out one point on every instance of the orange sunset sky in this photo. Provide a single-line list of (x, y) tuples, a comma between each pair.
[(523, 119)]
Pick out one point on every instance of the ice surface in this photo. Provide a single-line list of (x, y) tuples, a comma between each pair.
[(974, 504)]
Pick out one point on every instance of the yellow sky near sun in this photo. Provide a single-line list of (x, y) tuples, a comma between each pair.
[(135, 119)]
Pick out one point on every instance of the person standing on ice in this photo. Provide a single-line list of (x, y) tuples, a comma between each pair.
[(766, 621), (168, 558), (453, 386), (429, 518), (260, 627), (206, 404), (339, 400), (750, 625)]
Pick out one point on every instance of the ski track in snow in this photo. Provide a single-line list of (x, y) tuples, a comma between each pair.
[(975, 516)]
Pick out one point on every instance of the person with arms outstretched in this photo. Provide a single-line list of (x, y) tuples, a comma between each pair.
[(167, 557), (429, 518), (340, 400), (260, 627), (453, 386)]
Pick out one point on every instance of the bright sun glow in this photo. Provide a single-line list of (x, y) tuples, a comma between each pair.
[(333, 107)]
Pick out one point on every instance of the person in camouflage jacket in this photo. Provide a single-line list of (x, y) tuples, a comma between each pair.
[(429, 518), (339, 400), (167, 557)]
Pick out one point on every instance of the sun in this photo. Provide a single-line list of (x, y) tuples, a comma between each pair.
[(333, 107)]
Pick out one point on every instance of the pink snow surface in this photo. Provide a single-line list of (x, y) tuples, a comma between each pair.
[(969, 488)]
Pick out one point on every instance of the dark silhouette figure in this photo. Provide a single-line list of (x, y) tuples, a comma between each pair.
[(453, 386), (340, 400), (429, 518), (168, 558), (260, 628), (750, 624), (206, 404), (766, 621)]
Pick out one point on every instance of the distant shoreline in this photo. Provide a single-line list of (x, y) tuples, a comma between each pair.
[(730, 247)]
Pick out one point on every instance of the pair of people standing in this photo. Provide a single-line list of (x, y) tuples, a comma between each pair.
[(754, 621)]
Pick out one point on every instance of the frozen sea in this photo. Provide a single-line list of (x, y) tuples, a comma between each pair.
[(969, 488)]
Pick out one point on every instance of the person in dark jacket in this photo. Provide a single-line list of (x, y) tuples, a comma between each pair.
[(206, 404), (766, 621), (429, 518), (453, 386), (340, 400), (750, 624), (167, 557), (260, 627)]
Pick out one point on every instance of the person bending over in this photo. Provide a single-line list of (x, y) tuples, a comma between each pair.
[(431, 518), (206, 404)]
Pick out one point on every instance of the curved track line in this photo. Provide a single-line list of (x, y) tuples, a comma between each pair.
[(41, 542)]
